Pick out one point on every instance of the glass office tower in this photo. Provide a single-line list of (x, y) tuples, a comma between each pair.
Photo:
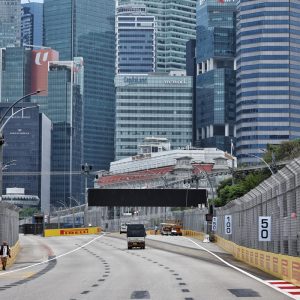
[(176, 22), (26, 152), (135, 40), (15, 78), (86, 29), (10, 20), (268, 89), (152, 104), (215, 81), (64, 108), (32, 24)]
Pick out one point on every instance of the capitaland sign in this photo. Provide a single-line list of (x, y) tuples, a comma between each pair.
[(135, 80)]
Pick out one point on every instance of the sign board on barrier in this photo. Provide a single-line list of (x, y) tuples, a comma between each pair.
[(264, 229), (208, 217), (228, 224), (214, 224), (71, 231)]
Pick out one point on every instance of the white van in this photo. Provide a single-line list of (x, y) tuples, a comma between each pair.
[(123, 228)]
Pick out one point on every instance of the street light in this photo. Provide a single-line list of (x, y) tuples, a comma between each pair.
[(260, 158), (1, 132), (197, 177), (86, 169), (74, 199)]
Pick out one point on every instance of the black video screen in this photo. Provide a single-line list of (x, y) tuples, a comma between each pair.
[(147, 197)]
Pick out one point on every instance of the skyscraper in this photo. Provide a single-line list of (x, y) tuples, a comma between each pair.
[(32, 24), (176, 22), (135, 40), (154, 104), (268, 89), (16, 74), (215, 82), (10, 20), (64, 108), (26, 70), (86, 29), (27, 151)]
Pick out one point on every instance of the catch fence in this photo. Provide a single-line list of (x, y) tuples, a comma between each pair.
[(9, 223)]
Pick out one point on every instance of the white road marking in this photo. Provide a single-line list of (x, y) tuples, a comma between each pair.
[(240, 270), (54, 258)]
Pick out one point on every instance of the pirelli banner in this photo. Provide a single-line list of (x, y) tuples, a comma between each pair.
[(71, 231)]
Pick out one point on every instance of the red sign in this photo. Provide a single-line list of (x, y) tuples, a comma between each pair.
[(39, 69)]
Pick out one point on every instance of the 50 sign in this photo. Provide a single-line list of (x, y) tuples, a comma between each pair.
[(264, 229), (228, 224)]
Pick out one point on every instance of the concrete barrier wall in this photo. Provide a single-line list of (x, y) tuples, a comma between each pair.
[(281, 266), (14, 251), (9, 223), (9, 229)]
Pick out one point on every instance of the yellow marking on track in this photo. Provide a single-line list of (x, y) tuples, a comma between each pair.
[(20, 275)]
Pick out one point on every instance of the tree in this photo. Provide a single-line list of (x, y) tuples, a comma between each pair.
[(27, 212)]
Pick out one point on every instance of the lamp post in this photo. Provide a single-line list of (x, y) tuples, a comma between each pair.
[(74, 199), (86, 169), (1, 132), (197, 177), (260, 158)]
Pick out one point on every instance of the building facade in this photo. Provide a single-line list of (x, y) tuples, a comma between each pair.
[(10, 20), (268, 89), (26, 152), (25, 71), (191, 70), (135, 40), (215, 80), (152, 105), (15, 78), (158, 167), (175, 21), (64, 105), (32, 24), (85, 29)]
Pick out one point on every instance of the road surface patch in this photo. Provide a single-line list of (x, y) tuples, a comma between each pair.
[(244, 293), (140, 295)]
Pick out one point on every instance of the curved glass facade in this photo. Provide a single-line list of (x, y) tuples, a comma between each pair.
[(268, 75)]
